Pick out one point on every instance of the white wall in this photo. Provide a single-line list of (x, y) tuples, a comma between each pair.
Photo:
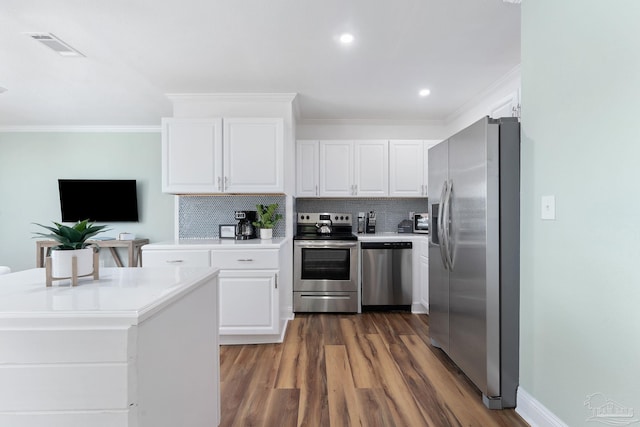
[(32, 162), (580, 275)]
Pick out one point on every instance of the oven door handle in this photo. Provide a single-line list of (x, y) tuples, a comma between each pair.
[(326, 244)]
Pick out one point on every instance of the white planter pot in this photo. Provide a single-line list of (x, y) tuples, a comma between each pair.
[(61, 262), (266, 233)]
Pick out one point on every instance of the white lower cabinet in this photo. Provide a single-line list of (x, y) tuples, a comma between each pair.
[(249, 302), (249, 298), (424, 273)]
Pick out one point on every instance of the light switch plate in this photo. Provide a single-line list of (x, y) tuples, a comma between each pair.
[(548, 207)]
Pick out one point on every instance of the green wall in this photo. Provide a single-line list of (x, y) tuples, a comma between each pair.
[(32, 162), (580, 274)]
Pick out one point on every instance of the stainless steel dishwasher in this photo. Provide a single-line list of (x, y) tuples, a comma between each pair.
[(386, 275)]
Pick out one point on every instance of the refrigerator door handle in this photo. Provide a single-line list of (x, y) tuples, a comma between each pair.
[(446, 220), (440, 229)]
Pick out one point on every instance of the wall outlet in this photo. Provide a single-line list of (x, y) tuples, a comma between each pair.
[(411, 215)]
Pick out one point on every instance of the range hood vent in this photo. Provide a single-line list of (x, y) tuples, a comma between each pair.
[(54, 43)]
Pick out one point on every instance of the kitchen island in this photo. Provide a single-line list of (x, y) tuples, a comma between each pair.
[(138, 347)]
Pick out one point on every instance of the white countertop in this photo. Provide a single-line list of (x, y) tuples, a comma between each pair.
[(274, 243), (391, 237), (128, 294)]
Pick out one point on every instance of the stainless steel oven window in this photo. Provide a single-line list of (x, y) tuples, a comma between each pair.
[(325, 264)]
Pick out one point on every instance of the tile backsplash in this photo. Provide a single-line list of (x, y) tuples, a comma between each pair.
[(389, 211), (200, 216)]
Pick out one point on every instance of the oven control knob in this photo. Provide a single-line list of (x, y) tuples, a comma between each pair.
[(336, 217), (346, 218)]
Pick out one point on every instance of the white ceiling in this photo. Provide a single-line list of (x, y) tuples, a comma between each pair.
[(139, 50)]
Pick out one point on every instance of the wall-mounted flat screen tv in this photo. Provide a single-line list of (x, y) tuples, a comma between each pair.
[(99, 200)]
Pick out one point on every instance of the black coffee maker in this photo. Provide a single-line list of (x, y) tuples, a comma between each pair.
[(244, 228)]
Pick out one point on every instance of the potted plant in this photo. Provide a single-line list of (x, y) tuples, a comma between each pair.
[(267, 219), (72, 242)]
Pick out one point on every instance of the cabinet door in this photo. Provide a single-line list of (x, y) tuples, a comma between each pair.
[(371, 168), (336, 169), (425, 180), (307, 168), (253, 153), (191, 155), (406, 168), (248, 302)]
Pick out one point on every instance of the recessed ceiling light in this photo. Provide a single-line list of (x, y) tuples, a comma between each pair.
[(424, 92), (346, 38)]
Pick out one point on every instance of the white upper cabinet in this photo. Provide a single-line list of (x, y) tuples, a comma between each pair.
[(371, 177), (407, 168), (307, 168), (191, 155), (235, 155), (336, 169), (354, 168), (253, 153)]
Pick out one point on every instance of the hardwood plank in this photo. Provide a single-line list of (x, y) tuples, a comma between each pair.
[(331, 329), (282, 408), (362, 324), (343, 409), (312, 382), (361, 355), (430, 401), (391, 326), (227, 360), (233, 390), (373, 408), (402, 405)]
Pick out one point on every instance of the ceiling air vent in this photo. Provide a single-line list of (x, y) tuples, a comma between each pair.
[(54, 43)]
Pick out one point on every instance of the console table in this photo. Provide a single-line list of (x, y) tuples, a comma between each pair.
[(134, 250)]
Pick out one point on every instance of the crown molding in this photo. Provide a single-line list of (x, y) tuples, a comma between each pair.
[(233, 97), (79, 129), (369, 122), (512, 77)]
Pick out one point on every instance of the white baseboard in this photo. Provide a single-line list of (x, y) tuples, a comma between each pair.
[(418, 308), (534, 412)]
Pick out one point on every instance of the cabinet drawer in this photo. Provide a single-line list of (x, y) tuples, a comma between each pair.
[(245, 259), (193, 258)]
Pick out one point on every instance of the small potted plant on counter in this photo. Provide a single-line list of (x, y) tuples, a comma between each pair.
[(72, 242), (267, 219)]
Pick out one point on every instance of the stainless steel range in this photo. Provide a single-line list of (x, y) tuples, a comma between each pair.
[(325, 263)]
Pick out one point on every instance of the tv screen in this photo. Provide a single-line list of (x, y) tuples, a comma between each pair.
[(99, 200)]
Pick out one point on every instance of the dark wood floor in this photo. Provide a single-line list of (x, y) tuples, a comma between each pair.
[(373, 369)]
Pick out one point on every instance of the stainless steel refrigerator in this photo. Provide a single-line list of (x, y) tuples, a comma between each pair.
[(474, 211)]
